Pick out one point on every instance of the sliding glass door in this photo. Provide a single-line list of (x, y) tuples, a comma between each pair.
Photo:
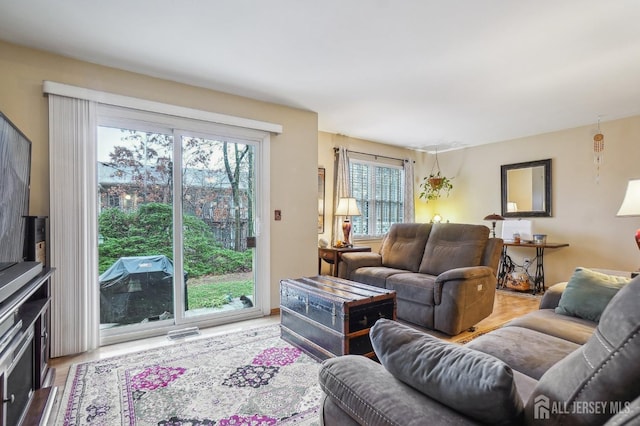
[(218, 200), (176, 218)]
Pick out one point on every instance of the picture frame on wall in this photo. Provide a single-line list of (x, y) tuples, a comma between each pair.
[(321, 180)]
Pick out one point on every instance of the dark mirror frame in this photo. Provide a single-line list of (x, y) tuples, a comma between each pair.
[(547, 188)]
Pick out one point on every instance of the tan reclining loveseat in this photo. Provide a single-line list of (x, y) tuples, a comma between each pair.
[(444, 274)]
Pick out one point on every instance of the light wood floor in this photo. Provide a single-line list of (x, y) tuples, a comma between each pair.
[(506, 306)]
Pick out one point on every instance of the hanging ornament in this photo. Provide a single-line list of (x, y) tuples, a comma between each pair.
[(598, 151)]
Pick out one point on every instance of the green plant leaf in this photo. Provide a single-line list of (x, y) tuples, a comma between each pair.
[(435, 186)]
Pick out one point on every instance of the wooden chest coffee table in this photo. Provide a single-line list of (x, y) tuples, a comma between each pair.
[(327, 316)]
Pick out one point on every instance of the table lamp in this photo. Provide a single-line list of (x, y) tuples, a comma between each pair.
[(347, 207), (631, 203), (493, 218)]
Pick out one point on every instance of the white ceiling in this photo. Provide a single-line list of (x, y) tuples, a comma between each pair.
[(415, 73)]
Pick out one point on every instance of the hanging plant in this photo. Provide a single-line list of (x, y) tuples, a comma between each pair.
[(435, 185)]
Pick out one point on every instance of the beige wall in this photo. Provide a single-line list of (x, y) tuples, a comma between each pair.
[(293, 153), (584, 211)]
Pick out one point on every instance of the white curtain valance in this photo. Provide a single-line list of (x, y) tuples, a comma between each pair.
[(60, 89)]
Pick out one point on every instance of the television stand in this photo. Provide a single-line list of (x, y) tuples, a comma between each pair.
[(26, 380), (5, 265)]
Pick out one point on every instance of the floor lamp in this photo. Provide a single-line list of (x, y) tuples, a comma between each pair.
[(631, 204), (347, 207)]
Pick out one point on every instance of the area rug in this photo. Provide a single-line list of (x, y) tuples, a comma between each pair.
[(244, 378)]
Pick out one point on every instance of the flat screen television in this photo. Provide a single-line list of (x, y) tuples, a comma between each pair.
[(15, 167)]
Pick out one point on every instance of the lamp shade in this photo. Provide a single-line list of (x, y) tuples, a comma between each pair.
[(347, 207), (631, 203)]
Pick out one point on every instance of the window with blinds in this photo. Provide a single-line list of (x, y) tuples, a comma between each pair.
[(379, 191)]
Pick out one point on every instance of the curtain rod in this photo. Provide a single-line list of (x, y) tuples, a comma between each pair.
[(373, 155)]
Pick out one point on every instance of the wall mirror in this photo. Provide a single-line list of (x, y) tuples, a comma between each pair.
[(526, 189)]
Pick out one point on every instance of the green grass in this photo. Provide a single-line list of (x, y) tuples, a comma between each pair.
[(215, 295)]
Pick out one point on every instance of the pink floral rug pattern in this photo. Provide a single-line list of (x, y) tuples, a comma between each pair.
[(244, 378)]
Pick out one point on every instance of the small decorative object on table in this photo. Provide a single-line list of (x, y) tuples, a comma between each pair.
[(539, 238)]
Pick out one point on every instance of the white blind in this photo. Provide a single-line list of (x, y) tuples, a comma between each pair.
[(75, 321), (379, 191)]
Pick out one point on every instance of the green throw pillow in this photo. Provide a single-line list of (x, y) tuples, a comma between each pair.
[(471, 382), (588, 293)]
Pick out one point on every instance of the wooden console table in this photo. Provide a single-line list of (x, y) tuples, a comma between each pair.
[(332, 256), (538, 278)]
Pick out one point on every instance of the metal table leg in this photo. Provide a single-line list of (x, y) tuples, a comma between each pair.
[(539, 279)]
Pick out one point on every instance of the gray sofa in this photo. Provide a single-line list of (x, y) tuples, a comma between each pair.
[(544, 368), (444, 274)]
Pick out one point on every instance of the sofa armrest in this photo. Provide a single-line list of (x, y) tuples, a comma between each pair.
[(352, 261), (468, 273), (463, 297), (552, 295), (369, 394)]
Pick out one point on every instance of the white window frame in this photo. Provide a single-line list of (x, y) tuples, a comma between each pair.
[(119, 117), (372, 218)]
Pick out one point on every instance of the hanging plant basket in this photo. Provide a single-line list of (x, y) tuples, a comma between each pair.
[(435, 182), (435, 185)]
